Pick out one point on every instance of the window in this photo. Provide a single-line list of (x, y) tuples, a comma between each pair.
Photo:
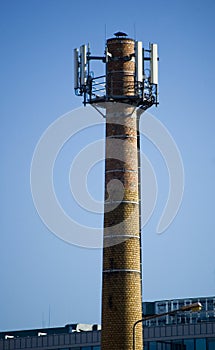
[(146, 345), (200, 344), (211, 344), (162, 345), (210, 304), (17, 343), (177, 345), (189, 343), (152, 345)]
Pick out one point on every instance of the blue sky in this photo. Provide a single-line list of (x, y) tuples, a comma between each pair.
[(42, 275)]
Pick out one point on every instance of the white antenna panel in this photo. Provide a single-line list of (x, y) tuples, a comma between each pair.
[(83, 54), (139, 60), (154, 64), (76, 82), (107, 55)]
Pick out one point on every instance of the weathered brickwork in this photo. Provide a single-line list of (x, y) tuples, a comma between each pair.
[(120, 69), (125, 212), (122, 256), (121, 291)]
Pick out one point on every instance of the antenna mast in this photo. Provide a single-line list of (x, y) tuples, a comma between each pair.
[(144, 84)]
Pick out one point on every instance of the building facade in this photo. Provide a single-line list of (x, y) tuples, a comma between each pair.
[(73, 336), (190, 331), (158, 307), (167, 337)]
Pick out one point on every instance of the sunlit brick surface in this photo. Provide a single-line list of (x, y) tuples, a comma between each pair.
[(120, 72), (121, 291)]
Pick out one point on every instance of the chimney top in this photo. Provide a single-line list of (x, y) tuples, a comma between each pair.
[(120, 34)]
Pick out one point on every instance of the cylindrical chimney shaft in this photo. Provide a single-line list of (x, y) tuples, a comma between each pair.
[(120, 79), (121, 289)]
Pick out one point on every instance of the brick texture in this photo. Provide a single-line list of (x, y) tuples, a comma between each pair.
[(121, 288), (120, 69)]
